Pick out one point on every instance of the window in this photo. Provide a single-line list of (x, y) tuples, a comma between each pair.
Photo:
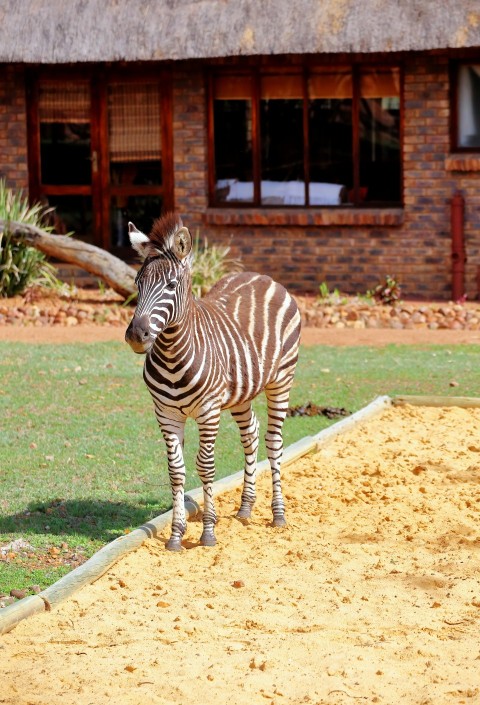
[(320, 136), (466, 108)]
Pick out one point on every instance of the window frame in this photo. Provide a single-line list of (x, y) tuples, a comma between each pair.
[(455, 145), (304, 68)]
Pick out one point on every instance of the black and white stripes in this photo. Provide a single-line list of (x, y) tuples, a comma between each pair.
[(211, 354)]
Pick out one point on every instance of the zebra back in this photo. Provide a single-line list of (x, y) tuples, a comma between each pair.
[(254, 324)]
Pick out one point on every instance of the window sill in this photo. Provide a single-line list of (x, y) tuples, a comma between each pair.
[(463, 162), (304, 217)]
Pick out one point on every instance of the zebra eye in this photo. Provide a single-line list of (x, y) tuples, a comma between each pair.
[(172, 284)]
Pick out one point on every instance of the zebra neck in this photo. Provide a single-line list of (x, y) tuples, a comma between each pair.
[(177, 340)]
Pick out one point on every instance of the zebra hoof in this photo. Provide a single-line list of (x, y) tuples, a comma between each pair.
[(174, 544), (279, 521), (244, 514), (208, 539)]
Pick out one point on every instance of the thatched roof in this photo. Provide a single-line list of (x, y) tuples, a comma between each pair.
[(57, 31)]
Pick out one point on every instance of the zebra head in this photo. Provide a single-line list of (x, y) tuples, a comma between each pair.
[(163, 281)]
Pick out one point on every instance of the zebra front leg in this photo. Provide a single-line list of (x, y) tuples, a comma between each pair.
[(277, 400), (208, 429), (173, 433), (248, 426)]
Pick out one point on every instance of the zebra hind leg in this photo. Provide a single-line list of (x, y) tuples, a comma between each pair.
[(208, 429), (277, 400), (248, 426)]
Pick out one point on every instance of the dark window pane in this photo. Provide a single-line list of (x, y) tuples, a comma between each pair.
[(380, 166), (331, 154), (468, 107), (141, 210), (136, 173), (72, 214), (233, 150), (281, 130), (65, 148), (65, 153), (330, 136)]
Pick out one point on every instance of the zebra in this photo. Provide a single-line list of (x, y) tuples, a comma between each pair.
[(209, 354)]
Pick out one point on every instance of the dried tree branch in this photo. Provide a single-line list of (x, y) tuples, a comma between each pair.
[(112, 270)]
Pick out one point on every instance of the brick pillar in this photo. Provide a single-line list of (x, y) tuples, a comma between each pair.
[(190, 145), (428, 187), (13, 128)]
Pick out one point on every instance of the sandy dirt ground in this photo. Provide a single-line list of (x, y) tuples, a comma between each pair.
[(371, 594), (89, 333)]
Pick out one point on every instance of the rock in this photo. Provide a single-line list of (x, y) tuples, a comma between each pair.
[(18, 594), (16, 545), (6, 601), (352, 315)]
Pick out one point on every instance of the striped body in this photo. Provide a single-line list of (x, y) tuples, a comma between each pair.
[(211, 354), (230, 350)]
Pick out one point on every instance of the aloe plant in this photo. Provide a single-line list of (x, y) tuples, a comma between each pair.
[(210, 263), (22, 266)]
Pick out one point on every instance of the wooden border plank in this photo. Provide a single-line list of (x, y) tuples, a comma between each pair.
[(420, 400)]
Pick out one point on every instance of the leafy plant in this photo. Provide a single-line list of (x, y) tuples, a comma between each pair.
[(210, 263), (387, 292), (22, 266), (330, 297)]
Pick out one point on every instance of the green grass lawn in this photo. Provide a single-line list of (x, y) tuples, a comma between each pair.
[(82, 460)]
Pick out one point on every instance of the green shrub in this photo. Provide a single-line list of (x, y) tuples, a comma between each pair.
[(22, 266), (210, 263)]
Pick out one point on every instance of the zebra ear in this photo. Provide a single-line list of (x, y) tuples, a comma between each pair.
[(182, 243), (138, 240)]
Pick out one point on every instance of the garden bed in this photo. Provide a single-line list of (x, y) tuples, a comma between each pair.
[(82, 307), (371, 593)]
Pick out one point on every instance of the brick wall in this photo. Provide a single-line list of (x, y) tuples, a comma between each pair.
[(13, 130), (350, 250)]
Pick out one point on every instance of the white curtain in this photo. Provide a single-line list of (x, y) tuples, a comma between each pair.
[(469, 106)]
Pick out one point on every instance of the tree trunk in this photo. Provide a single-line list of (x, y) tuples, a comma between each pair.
[(112, 270)]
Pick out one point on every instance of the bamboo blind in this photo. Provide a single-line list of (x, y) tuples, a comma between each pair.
[(64, 101), (134, 117)]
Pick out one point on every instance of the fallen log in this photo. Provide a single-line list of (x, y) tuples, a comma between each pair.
[(113, 271)]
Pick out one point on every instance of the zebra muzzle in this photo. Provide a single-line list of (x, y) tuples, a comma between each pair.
[(138, 334)]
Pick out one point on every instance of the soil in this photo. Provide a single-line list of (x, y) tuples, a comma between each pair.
[(370, 593), (310, 336)]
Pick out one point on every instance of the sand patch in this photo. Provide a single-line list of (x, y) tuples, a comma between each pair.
[(371, 594)]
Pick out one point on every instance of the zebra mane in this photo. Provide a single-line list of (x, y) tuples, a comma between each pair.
[(163, 230), (168, 237)]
